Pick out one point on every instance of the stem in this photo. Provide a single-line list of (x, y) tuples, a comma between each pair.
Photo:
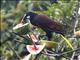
[(22, 36), (33, 42), (76, 17), (70, 51), (61, 54), (27, 38), (33, 34), (73, 56)]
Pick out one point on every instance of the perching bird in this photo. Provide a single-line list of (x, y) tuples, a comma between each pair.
[(45, 23)]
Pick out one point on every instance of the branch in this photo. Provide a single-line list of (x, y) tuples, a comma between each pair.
[(77, 20), (73, 56), (27, 38), (61, 54)]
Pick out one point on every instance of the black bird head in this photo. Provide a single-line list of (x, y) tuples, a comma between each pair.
[(28, 16)]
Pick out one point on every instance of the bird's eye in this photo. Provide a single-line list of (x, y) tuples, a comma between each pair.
[(28, 17)]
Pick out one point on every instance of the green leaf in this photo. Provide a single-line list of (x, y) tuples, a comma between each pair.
[(67, 41)]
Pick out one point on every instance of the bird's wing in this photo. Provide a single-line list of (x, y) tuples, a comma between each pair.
[(44, 22)]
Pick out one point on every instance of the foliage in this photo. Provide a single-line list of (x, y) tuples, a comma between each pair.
[(63, 11)]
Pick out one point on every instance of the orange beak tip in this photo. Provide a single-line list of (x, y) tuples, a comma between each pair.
[(19, 26)]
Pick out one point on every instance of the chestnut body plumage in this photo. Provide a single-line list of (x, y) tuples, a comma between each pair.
[(45, 23)]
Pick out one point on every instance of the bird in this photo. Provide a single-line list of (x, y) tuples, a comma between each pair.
[(45, 23)]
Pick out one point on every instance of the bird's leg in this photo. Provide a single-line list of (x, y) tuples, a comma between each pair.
[(49, 35)]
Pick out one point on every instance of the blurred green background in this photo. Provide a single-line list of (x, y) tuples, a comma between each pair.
[(11, 11)]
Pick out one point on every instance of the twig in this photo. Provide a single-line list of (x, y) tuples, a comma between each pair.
[(50, 51), (33, 34), (33, 42), (47, 55), (61, 54), (75, 25), (55, 55), (32, 31), (27, 38), (77, 20), (73, 56), (70, 51), (50, 54)]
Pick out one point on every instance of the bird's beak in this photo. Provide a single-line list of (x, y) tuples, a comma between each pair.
[(21, 24)]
